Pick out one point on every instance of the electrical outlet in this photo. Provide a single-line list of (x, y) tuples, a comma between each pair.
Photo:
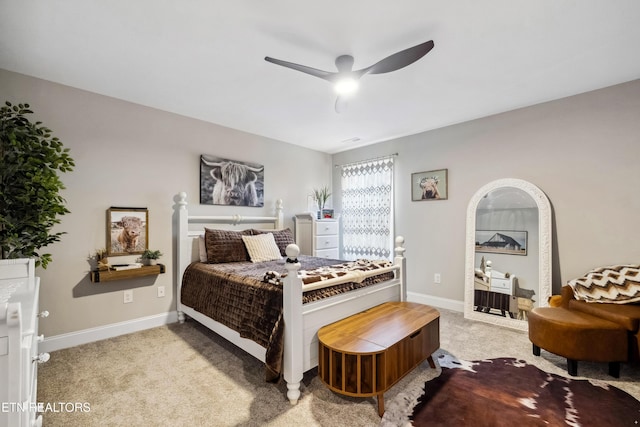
[(160, 291), (128, 296), (436, 278)]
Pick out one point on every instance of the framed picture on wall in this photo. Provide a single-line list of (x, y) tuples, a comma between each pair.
[(430, 185), (230, 182), (127, 231), (501, 242)]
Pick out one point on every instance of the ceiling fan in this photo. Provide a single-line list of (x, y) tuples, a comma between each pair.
[(346, 80)]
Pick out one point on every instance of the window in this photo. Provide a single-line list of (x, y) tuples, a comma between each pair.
[(367, 209)]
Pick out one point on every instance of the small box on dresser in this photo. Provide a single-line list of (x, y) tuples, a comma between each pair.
[(19, 358), (317, 237)]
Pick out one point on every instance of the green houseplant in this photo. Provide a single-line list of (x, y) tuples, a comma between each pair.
[(320, 196), (150, 257), (30, 201)]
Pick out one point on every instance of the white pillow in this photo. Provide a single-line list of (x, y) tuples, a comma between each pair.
[(202, 248), (262, 247)]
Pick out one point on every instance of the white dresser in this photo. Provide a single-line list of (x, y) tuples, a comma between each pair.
[(19, 358), (500, 282), (317, 237)]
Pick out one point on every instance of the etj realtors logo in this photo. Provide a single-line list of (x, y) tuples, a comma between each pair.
[(6, 407)]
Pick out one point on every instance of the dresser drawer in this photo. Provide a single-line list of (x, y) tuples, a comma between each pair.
[(317, 237), (502, 286), (326, 242), (327, 253), (326, 227)]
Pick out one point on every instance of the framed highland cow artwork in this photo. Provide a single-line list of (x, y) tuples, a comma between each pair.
[(127, 231), (430, 185), (230, 182)]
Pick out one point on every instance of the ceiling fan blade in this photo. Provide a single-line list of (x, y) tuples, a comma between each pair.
[(399, 60), (341, 104), (303, 68)]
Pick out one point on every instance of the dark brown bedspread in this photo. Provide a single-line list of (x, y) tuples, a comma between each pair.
[(235, 295)]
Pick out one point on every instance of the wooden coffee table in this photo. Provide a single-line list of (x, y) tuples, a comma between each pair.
[(367, 353)]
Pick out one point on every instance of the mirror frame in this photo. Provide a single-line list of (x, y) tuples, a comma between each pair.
[(544, 252)]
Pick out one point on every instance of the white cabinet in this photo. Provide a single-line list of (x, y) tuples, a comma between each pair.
[(500, 282), (317, 237), (502, 285), (19, 358)]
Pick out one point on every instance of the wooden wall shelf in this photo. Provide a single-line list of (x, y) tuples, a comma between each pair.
[(110, 275)]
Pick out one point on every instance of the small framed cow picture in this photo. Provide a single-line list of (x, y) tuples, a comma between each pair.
[(230, 182), (430, 185), (127, 231)]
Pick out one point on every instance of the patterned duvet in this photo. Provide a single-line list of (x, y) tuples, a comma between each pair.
[(235, 295)]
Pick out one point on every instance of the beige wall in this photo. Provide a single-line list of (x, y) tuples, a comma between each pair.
[(130, 155), (581, 151)]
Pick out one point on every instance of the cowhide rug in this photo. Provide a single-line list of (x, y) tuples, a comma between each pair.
[(509, 392)]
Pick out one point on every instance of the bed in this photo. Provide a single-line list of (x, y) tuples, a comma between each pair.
[(299, 349)]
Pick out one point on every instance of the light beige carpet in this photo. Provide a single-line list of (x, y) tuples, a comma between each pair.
[(184, 375)]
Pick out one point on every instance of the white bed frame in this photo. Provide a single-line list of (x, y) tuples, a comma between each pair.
[(302, 320)]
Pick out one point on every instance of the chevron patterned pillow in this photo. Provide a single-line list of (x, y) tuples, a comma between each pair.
[(617, 284)]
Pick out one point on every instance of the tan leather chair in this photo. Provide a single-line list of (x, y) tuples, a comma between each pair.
[(578, 336)]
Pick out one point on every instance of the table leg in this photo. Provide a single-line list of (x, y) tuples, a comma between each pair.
[(381, 404), (431, 362)]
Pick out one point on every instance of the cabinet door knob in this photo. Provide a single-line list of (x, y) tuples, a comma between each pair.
[(42, 358), (43, 314)]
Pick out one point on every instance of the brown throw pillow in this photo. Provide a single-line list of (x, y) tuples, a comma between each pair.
[(225, 245), (282, 237)]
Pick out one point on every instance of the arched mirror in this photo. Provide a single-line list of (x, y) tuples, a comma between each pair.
[(508, 253)]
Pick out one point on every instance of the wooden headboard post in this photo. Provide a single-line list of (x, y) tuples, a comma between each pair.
[(279, 214)]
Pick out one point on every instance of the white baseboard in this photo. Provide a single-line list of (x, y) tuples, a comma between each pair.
[(450, 304), (72, 339), (85, 336)]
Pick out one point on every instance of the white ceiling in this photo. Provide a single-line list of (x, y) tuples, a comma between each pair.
[(205, 58)]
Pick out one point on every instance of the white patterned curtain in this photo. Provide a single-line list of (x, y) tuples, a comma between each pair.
[(367, 209)]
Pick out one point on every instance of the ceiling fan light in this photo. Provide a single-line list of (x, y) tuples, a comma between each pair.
[(346, 86)]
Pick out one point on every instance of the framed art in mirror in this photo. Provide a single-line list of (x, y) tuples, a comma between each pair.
[(501, 242)]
